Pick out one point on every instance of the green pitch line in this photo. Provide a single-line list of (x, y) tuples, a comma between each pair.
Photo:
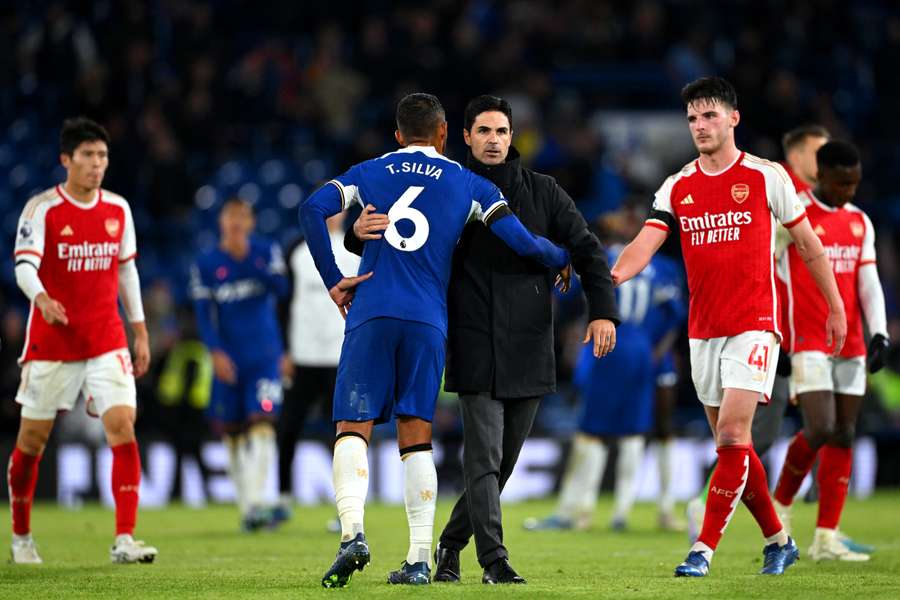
[(202, 555)]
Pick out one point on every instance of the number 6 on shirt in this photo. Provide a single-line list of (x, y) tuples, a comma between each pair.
[(402, 210)]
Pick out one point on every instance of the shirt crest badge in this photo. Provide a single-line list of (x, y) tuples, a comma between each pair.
[(740, 192), (112, 226), (857, 229)]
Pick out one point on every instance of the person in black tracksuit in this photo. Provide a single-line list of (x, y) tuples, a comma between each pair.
[(500, 357)]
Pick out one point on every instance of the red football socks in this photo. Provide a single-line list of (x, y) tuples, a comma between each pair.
[(126, 481), (756, 498), (799, 460), (834, 480), (22, 477), (725, 490)]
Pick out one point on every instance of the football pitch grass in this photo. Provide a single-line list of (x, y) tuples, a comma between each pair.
[(202, 555)]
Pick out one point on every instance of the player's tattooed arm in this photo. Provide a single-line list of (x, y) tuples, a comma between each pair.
[(809, 246), (637, 254)]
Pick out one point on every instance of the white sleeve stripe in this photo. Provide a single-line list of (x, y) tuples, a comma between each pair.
[(340, 188), (493, 207)]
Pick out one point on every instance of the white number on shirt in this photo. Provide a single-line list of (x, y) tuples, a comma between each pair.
[(634, 299), (402, 210)]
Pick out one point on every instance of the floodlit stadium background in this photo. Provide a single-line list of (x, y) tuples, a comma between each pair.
[(205, 100)]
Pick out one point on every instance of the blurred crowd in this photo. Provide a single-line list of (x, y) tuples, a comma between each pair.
[(206, 99)]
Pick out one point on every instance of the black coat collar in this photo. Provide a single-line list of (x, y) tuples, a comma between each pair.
[(505, 175)]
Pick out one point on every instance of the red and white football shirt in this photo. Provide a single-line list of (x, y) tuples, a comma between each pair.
[(727, 226), (849, 241), (77, 249)]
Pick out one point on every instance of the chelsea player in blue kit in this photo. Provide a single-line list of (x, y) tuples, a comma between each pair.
[(234, 288), (393, 352), (618, 398)]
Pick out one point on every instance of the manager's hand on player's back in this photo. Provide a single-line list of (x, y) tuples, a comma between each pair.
[(369, 224), (344, 290), (53, 312)]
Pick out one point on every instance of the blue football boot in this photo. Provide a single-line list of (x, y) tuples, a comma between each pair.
[(411, 574), (778, 558), (695, 565), (551, 523), (353, 556)]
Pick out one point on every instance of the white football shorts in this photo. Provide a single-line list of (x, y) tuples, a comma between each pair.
[(49, 386), (746, 362), (814, 371)]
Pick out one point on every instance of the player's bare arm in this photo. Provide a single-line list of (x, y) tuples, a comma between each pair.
[(52, 310), (813, 254), (370, 223), (637, 254), (141, 361)]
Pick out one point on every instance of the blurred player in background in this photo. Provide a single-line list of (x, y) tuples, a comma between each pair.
[(618, 393), (830, 389), (799, 146), (394, 346), (235, 288), (725, 205), (74, 254), (315, 332)]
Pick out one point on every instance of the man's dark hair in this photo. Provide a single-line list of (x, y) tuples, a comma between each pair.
[(485, 103), (798, 135), (237, 202), (418, 115), (78, 131), (837, 153), (711, 89)]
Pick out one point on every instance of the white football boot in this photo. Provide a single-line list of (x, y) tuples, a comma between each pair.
[(826, 546), (127, 550), (23, 551)]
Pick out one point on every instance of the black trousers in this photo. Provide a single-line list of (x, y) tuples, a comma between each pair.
[(493, 434), (313, 386)]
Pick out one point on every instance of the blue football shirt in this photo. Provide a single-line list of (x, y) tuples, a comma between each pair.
[(428, 199)]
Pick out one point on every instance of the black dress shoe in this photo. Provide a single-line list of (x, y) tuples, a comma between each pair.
[(500, 571), (446, 565)]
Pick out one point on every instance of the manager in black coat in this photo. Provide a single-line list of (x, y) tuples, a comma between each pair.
[(500, 356)]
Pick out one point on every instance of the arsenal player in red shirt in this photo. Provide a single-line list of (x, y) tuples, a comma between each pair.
[(75, 250), (830, 388), (725, 205), (800, 146)]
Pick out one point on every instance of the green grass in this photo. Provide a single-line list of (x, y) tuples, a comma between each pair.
[(203, 556)]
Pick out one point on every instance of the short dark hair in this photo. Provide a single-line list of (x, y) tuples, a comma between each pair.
[(798, 135), (237, 201), (78, 131), (712, 89), (485, 103), (419, 114), (837, 153)]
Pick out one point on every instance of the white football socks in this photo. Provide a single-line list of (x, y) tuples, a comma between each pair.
[(587, 461), (420, 497), (234, 444), (631, 452), (350, 472), (666, 493), (260, 451)]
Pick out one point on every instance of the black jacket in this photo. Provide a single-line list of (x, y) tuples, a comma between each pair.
[(500, 316)]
